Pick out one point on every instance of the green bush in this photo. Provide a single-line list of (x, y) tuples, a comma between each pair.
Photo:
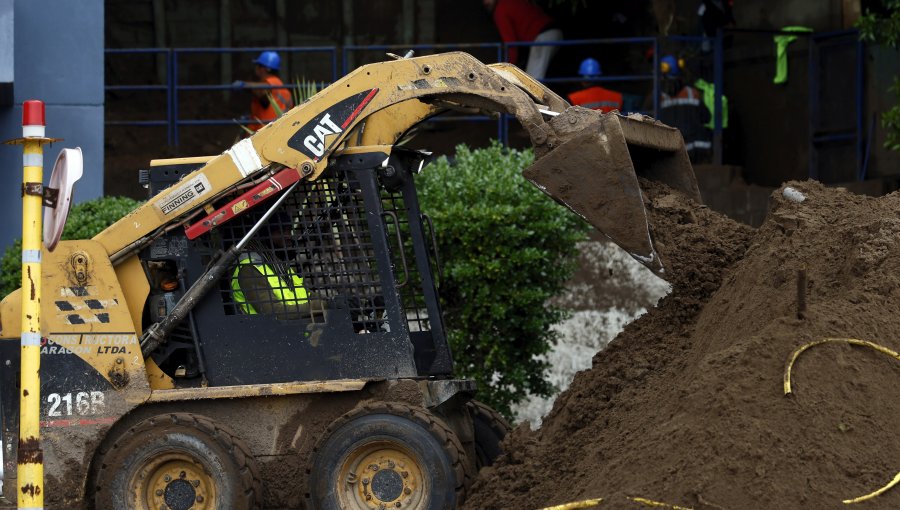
[(85, 221), (883, 27), (506, 249)]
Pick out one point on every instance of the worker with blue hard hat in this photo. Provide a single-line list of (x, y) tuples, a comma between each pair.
[(683, 106), (594, 96), (669, 65), (589, 68), (267, 103), (269, 59)]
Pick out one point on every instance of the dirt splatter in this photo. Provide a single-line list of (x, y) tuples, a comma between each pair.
[(118, 377), (686, 405), (31, 490), (29, 451), (31, 283)]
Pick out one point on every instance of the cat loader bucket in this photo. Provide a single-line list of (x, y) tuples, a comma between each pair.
[(593, 167)]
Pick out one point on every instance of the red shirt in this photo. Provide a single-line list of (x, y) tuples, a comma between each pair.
[(519, 20), (268, 114)]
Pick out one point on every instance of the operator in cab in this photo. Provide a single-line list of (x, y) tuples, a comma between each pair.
[(264, 281)]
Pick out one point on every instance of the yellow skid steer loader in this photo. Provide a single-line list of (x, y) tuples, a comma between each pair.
[(265, 330)]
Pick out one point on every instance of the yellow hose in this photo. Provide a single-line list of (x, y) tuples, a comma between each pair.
[(853, 341), (879, 492), (650, 502), (588, 503)]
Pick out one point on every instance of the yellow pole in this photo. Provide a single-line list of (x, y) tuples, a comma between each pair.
[(30, 458)]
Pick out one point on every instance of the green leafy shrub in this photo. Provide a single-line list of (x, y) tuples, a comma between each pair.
[(506, 249), (882, 26), (85, 221)]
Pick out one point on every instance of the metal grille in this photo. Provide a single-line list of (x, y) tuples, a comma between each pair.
[(412, 298), (315, 253)]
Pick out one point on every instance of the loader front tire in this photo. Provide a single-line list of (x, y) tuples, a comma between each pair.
[(388, 455), (177, 461)]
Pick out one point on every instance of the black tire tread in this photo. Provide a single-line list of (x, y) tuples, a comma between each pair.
[(487, 442), (496, 420), (434, 425), (234, 445)]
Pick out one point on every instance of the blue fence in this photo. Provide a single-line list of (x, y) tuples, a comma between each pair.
[(499, 52), (173, 86), (351, 56)]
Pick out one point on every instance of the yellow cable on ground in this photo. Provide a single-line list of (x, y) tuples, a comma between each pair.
[(879, 492), (650, 502), (588, 503), (854, 341)]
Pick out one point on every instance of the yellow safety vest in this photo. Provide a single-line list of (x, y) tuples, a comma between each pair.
[(291, 295)]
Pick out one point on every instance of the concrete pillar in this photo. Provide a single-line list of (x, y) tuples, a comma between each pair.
[(58, 51), (7, 60)]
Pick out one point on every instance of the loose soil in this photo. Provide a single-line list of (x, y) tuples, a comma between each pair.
[(686, 405), (609, 290)]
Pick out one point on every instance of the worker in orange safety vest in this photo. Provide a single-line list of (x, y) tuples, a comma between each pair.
[(595, 97), (262, 108)]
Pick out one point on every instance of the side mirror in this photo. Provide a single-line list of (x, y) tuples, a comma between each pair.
[(68, 168)]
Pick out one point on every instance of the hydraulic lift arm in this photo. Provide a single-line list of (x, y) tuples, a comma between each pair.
[(582, 157)]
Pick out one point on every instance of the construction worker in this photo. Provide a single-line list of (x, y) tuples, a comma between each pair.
[(263, 283), (265, 68), (595, 97), (682, 106), (523, 21)]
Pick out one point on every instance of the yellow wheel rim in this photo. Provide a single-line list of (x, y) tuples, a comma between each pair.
[(382, 475), (173, 481)]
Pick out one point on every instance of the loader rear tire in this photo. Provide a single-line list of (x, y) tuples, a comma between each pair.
[(177, 461), (388, 455), (490, 429)]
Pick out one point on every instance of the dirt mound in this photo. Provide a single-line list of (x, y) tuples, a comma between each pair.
[(686, 405)]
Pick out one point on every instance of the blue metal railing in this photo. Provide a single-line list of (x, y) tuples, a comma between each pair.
[(817, 40), (167, 87), (172, 86), (654, 76), (177, 52), (849, 134)]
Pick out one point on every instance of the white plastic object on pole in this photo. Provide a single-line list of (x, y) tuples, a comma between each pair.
[(69, 167)]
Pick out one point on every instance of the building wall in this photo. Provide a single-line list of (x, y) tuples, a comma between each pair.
[(770, 124), (58, 52), (768, 137), (882, 66), (6, 52)]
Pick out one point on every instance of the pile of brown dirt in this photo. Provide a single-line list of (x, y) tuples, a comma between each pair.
[(686, 405)]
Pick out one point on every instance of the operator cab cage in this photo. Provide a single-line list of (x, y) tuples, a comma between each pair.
[(336, 284)]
